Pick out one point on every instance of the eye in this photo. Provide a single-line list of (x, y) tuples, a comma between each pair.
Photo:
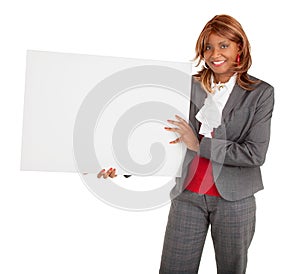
[(208, 47), (224, 46)]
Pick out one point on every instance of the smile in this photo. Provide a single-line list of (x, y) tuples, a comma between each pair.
[(218, 63)]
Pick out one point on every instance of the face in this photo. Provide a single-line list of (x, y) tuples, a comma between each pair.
[(220, 54)]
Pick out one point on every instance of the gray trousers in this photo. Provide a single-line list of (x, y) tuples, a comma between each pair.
[(232, 229)]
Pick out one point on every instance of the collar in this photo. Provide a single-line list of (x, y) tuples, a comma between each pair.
[(228, 85)]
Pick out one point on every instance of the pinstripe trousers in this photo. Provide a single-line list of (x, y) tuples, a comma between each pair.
[(232, 229)]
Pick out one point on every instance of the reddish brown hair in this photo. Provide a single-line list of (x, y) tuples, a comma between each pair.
[(228, 27)]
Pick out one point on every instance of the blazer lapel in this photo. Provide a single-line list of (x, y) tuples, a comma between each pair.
[(235, 97)]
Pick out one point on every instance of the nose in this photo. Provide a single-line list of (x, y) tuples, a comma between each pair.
[(215, 53)]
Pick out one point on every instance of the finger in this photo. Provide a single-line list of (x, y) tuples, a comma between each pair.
[(182, 124), (100, 174), (178, 140), (174, 129), (107, 173), (113, 173), (179, 117), (176, 123), (183, 121)]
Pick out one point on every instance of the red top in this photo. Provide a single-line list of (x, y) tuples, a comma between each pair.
[(201, 177)]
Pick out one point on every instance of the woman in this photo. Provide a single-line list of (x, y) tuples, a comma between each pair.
[(227, 139)]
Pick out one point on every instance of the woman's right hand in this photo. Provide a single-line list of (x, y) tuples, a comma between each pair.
[(109, 173)]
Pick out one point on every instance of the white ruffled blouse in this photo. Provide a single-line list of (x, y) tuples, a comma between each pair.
[(211, 113)]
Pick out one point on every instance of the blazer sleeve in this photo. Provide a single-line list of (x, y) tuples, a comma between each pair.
[(251, 151)]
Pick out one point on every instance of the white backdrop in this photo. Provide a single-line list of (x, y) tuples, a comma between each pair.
[(50, 222)]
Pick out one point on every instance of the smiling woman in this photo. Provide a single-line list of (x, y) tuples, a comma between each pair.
[(224, 47), (220, 55), (227, 139)]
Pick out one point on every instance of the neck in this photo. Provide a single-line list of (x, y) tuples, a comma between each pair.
[(222, 78)]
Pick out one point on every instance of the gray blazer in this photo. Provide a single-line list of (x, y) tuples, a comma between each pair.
[(240, 143)]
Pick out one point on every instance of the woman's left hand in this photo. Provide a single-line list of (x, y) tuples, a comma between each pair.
[(187, 135)]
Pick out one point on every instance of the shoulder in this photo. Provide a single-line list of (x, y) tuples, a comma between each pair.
[(263, 91), (260, 85), (196, 80), (197, 94), (197, 84)]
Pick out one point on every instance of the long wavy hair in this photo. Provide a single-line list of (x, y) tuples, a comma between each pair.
[(228, 27)]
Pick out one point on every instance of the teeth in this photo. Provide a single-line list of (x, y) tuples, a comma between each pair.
[(219, 62)]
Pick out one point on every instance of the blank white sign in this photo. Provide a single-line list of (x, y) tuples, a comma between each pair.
[(63, 91)]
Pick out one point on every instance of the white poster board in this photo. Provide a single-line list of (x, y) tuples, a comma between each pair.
[(69, 116)]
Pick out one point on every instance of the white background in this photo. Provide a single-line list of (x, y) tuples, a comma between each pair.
[(50, 222)]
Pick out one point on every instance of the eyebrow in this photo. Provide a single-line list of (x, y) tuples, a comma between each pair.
[(225, 41)]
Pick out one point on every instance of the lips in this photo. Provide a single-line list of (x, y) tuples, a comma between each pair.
[(218, 63)]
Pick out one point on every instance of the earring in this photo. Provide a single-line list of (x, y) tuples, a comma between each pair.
[(238, 59)]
